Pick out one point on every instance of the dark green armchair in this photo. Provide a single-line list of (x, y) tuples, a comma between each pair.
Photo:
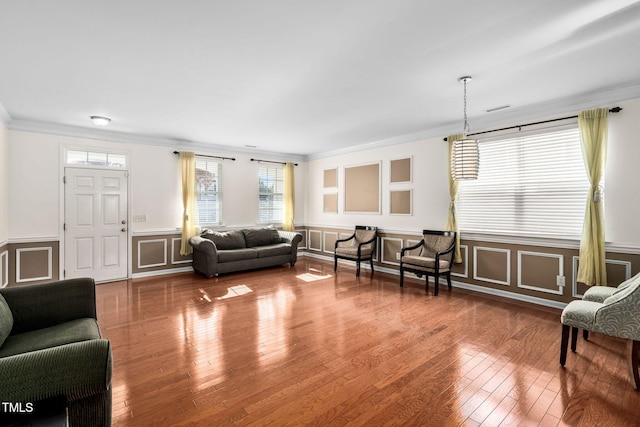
[(51, 347)]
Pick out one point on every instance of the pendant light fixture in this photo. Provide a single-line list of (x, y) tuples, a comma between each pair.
[(465, 156)]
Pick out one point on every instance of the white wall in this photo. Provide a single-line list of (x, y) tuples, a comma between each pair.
[(35, 189), (622, 177), (431, 193), (4, 184), (430, 187)]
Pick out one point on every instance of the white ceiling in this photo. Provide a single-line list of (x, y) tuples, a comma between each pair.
[(303, 77)]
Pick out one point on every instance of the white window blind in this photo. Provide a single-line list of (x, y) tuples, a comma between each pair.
[(271, 194), (532, 185), (208, 191)]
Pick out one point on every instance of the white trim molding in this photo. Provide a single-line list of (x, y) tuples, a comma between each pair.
[(48, 250)]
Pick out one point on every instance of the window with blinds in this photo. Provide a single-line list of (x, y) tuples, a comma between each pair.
[(531, 185), (271, 194), (208, 191)]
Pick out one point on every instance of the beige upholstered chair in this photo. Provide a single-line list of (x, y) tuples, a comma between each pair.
[(435, 257), (360, 246), (601, 293), (617, 316)]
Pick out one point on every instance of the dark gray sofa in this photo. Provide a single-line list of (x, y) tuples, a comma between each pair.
[(246, 249), (51, 347)]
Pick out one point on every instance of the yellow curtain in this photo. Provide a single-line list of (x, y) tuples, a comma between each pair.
[(452, 219), (593, 132), (188, 173), (289, 197)]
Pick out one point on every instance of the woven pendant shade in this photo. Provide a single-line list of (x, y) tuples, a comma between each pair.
[(465, 159)]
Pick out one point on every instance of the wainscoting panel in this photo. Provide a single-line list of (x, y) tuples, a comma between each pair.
[(152, 253), (329, 241), (176, 258), (4, 267), (462, 269), (157, 253), (538, 271), (34, 264), (315, 240), (390, 250), (618, 270), (492, 265)]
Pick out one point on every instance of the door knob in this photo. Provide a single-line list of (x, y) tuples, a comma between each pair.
[(124, 222), (123, 229)]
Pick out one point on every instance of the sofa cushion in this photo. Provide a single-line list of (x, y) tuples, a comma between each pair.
[(261, 236), (233, 239), (273, 250), (237, 255), (63, 333), (6, 320)]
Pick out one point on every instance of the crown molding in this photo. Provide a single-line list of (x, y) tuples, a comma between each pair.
[(130, 138)]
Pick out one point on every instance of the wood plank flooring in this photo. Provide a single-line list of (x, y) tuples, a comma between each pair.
[(307, 346)]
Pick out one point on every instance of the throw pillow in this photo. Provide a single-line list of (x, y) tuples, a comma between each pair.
[(261, 236), (233, 239), (6, 320)]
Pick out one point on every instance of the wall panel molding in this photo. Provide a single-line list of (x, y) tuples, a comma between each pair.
[(477, 253), (142, 254), (24, 276), (4, 268), (560, 272)]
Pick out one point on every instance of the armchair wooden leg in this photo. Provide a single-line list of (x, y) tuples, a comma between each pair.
[(564, 343), (371, 264), (335, 263), (449, 280), (633, 350), (436, 285), (357, 268), (574, 338), (585, 334), (401, 276)]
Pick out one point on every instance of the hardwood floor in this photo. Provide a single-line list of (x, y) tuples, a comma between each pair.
[(305, 346)]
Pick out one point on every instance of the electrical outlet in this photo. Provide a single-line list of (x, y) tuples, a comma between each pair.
[(398, 256), (140, 218), (560, 281)]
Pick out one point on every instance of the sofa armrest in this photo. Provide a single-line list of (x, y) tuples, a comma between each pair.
[(205, 256), (293, 239), (290, 237), (204, 245), (47, 304), (75, 370)]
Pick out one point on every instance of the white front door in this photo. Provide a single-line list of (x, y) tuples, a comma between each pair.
[(95, 216)]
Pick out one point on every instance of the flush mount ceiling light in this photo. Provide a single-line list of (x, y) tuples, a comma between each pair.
[(465, 156), (100, 120)]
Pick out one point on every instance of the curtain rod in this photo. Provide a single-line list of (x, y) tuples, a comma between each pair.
[(213, 157), (270, 161), (611, 110)]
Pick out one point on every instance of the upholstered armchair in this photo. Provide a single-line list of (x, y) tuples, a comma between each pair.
[(435, 257), (51, 347), (601, 293), (617, 316), (360, 246)]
